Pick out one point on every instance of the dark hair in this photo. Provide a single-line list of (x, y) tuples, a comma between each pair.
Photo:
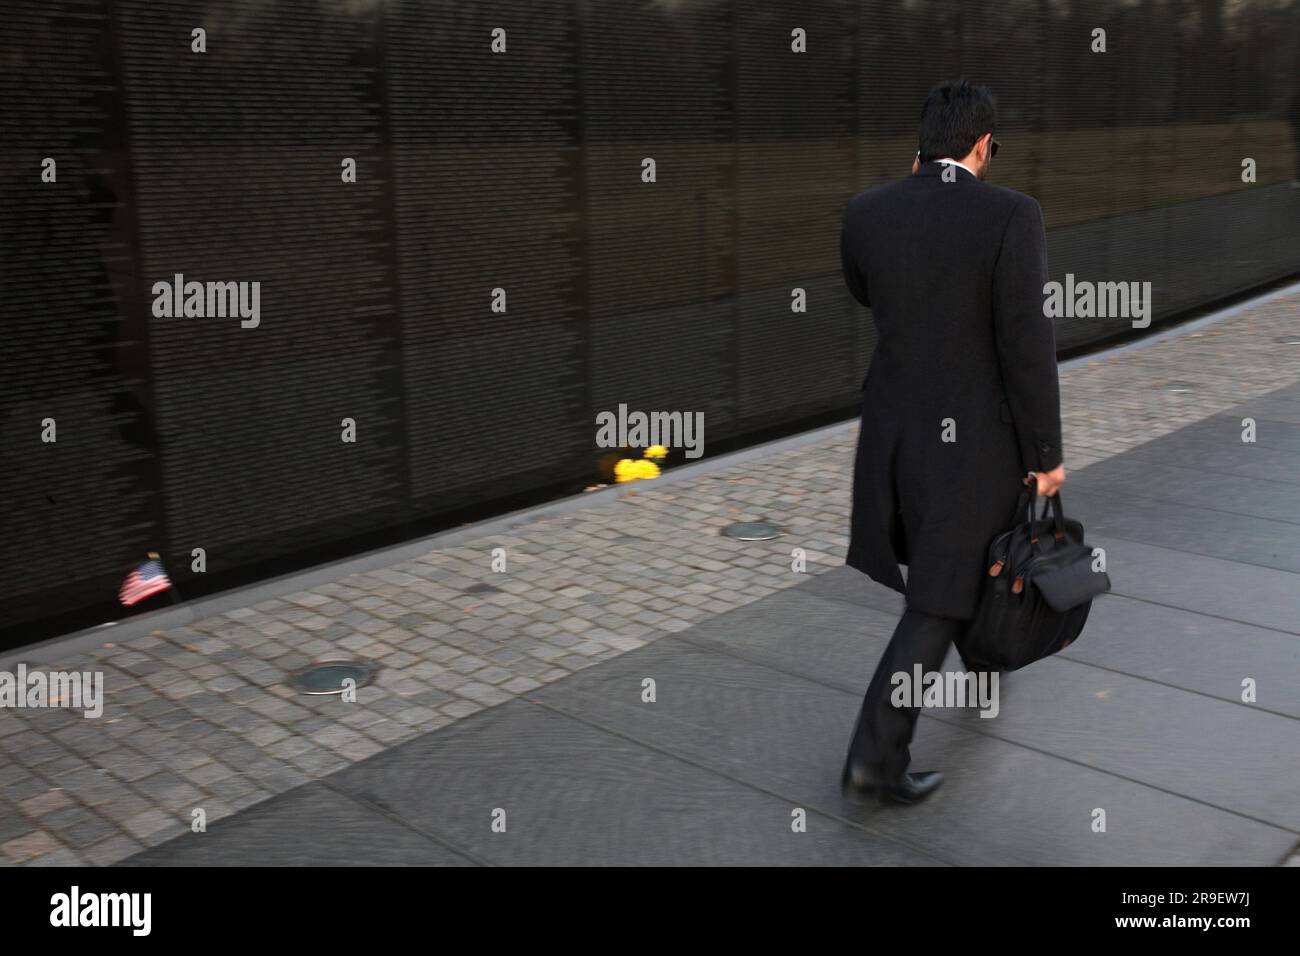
[(956, 114)]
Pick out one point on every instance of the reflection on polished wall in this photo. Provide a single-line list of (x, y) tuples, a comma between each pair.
[(521, 170)]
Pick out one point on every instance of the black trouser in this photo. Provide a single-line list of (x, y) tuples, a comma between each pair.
[(883, 731)]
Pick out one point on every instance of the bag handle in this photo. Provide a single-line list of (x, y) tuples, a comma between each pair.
[(1028, 494), (1031, 517), (1054, 508), (1026, 505), (1057, 507)]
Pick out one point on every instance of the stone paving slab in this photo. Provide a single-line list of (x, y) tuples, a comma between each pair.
[(1189, 651), (1266, 430), (1220, 457), (847, 584), (310, 826), (1276, 407), (201, 715), (1214, 587), (1244, 539), (1227, 755), (1152, 481)]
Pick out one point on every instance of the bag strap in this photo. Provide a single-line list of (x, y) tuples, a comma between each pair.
[(1053, 508), (1026, 499), (1033, 509), (1057, 508)]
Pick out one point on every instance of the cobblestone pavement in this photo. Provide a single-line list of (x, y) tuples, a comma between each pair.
[(200, 716)]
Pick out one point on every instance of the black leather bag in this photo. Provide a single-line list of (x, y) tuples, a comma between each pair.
[(1037, 593)]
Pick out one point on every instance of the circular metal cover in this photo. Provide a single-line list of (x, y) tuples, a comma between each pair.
[(1177, 387), (1288, 339), (752, 531), (327, 677)]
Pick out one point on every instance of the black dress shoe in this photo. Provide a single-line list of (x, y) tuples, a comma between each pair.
[(909, 788)]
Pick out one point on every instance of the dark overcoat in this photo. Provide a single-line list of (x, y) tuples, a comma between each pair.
[(961, 397)]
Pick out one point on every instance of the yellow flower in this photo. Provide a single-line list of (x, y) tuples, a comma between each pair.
[(630, 469), (656, 451)]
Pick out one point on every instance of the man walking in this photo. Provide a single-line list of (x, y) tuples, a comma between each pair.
[(960, 402)]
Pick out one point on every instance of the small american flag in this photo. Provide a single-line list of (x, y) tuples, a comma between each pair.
[(145, 581)]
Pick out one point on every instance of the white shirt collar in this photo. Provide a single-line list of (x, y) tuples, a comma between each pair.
[(953, 162)]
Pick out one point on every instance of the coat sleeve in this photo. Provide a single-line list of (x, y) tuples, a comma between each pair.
[(1026, 340), (853, 277)]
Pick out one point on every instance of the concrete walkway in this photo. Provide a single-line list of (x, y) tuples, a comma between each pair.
[(521, 690)]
